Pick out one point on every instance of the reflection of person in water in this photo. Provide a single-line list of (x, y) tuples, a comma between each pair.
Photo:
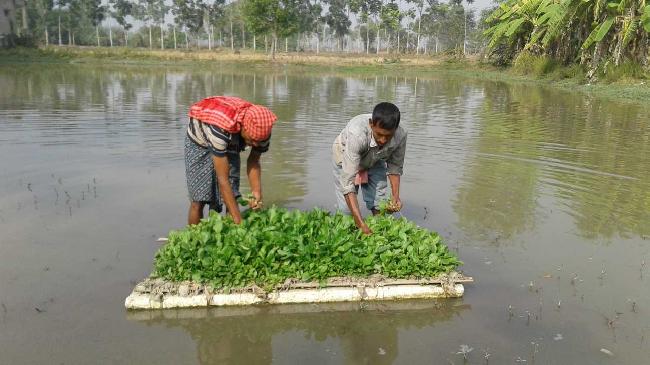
[(228, 336), (218, 345), (370, 338)]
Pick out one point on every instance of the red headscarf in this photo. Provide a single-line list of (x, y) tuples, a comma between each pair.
[(231, 114)]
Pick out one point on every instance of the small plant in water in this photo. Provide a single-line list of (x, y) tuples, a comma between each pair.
[(486, 355), (464, 350), (535, 350), (641, 269)]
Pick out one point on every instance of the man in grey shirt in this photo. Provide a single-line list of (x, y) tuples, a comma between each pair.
[(369, 150)]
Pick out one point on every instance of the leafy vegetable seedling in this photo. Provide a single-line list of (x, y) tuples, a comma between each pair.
[(245, 201), (388, 206), (275, 244)]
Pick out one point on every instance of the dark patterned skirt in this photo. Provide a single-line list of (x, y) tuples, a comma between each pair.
[(201, 177)]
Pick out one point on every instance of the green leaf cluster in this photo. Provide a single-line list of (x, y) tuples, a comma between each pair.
[(571, 30), (273, 245)]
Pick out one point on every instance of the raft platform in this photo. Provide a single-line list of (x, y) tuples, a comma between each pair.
[(157, 293)]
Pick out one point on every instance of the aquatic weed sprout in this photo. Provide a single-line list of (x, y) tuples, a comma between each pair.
[(273, 245)]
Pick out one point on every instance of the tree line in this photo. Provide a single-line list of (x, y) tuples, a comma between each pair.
[(362, 26)]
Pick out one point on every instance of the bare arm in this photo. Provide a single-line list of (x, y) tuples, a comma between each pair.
[(394, 187), (395, 165), (254, 171), (351, 159), (353, 205), (222, 170)]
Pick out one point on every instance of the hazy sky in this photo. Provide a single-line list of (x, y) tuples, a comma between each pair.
[(480, 4)]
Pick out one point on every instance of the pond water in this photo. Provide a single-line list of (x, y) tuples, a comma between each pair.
[(544, 194)]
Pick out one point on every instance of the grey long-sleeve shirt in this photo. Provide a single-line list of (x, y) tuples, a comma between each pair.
[(355, 149)]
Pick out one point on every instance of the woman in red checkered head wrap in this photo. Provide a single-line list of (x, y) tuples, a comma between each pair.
[(220, 128)]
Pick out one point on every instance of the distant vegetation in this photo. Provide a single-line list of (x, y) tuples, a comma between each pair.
[(363, 26)]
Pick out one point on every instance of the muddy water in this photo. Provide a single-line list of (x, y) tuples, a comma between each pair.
[(544, 194)]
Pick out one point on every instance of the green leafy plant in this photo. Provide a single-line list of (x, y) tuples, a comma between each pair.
[(387, 206), (245, 201), (273, 245), (592, 33)]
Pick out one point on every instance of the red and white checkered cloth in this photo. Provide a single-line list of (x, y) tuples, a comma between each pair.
[(232, 113)]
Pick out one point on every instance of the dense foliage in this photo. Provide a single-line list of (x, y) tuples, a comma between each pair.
[(589, 32), (274, 245)]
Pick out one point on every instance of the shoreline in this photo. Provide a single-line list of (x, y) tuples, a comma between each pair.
[(627, 89)]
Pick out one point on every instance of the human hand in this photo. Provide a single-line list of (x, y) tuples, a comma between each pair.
[(365, 229), (255, 201), (395, 205)]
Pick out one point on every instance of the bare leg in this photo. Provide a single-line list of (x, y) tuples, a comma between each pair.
[(195, 213)]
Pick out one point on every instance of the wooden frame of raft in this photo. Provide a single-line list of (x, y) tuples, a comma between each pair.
[(156, 293)]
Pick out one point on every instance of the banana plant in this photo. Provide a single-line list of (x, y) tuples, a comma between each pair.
[(570, 30)]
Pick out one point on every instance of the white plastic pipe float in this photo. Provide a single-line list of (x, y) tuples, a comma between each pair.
[(155, 293)]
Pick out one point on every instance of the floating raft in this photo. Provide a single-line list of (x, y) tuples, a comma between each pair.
[(157, 293)]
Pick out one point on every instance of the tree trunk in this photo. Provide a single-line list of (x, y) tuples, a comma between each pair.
[(274, 44), (162, 36), (174, 28), (387, 42), (110, 36), (254, 43), (47, 40), (286, 44), (266, 44), (150, 39), (24, 20), (367, 38), (398, 42), (417, 50), (317, 42), (187, 41), (210, 39), (360, 42), (232, 38), (97, 33), (73, 42), (126, 38), (243, 37), (465, 36), (378, 41), (60, 41), (408, 37)]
